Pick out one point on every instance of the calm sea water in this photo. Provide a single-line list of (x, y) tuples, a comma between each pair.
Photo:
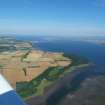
[(95, 53)]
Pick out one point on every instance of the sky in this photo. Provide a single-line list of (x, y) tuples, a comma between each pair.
[(52, 17)]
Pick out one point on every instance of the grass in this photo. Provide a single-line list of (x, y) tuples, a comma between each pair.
[(40, 89), (25, 56), (1, 66), (60, 58)]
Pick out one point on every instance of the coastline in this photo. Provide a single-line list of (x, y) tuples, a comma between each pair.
[(64, 71), (56, 90)]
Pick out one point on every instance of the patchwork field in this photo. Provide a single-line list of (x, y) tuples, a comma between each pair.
[(23, 66)]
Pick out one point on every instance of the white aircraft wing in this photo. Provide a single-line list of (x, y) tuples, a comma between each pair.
[(8, 96)]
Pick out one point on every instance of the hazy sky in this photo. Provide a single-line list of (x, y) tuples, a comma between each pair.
[(53, 17)]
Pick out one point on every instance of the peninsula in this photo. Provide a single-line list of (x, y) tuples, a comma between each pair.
[(31, 71)]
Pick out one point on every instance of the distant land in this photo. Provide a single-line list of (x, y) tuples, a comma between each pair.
[(8, 43), (92, 39), (102, 42)]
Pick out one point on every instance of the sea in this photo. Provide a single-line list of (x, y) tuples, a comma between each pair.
[(94, 52)]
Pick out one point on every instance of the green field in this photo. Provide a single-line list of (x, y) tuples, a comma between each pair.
[(1, 66)]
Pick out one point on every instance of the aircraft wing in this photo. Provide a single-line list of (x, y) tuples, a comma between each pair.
[(8, 96)]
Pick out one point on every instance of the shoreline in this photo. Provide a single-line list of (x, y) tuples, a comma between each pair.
[(73, 70), (66, 70), (55, 88)]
